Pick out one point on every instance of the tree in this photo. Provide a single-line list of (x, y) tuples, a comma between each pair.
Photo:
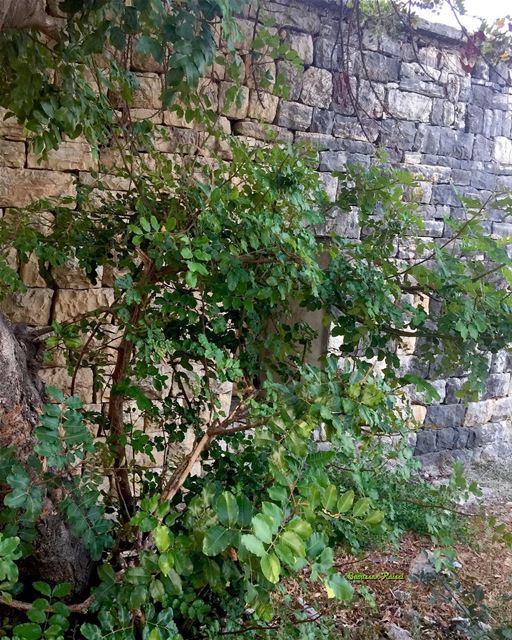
[(212, 257)]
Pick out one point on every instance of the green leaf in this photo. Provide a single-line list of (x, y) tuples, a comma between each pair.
[(216, 540), (329, 497), (28, 631), (361, 507), (226, 508), (295, 543), (374, 518), (43, 588), (345, 502), (253, 544), (271, 567), (262, 526), (162, 536), (339, 587), (300, 527)]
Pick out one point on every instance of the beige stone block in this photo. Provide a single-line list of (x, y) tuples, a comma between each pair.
[(31, 307), (110, 182), (148, 92), (71, 304), (60, 378), (479, 413), (263, 106), (9, 128), (29, 273), (419, 412), (238, 107), (70, 156), (20, 187), (260, 74), (406, 345), (11, 257), (145, 62), (12, 153), (154, 115), (71, 276)]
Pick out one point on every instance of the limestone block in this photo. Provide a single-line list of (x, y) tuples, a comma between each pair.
[(260, 74), (294, 116), (317, 87), (502, 409), (301, 43), (409, 106), (353, 128), (144, 62), (445, 415), (261, 131), (419, 412), (330, 185), (238, 107), (71, 276), (60, 378), (327, 53), (20, 187), (176, 140), (456, 144), (31, 307), (370, 98), (320, 141), (479, 413), (344, 223), (12, 153), (332, 161), (9, 128), (148, 91), (70, 156), (414, 365), (29, 272), (425, 442), (262, 106), (70, 304), (502, 229), (375, 66), (293, 79), (156, 117), (503, 150), (398, 133), (323, 121), (297, 16), (433, 229), (453, 386)]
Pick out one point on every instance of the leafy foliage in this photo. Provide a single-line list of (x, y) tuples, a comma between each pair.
[(218, 279)]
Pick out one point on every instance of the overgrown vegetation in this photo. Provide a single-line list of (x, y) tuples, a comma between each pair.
[(217, 274)]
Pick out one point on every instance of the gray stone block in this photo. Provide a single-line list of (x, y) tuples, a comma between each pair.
[(498, 385), (332, 161), (294, 115), (375, 66), (446, 438), (323, 120), (425, 442), (445, 194), (445, 415)]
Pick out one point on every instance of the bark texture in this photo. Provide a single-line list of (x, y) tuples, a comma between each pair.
[(58, 555), (31, 14)]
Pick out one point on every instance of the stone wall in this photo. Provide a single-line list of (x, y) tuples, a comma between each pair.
[(451, 128)]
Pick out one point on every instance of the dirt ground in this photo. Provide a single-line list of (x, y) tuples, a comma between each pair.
[(432, 608)]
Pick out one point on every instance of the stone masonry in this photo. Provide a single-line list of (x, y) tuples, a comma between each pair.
[(451, 128)]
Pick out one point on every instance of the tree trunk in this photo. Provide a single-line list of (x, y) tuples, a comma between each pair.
[(30, 14), (58, 555)]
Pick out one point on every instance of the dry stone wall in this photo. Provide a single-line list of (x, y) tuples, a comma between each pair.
[(451, 128)]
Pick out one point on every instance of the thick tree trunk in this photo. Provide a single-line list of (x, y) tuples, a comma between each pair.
[(58, 555), (30, 14)]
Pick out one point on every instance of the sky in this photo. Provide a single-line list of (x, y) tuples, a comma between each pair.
[(488, 9)]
